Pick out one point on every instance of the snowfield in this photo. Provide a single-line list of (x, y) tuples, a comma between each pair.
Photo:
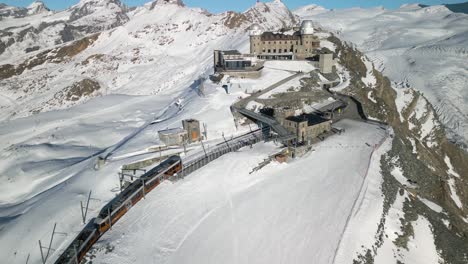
[(151, 65), (422, 48), (284, 213)]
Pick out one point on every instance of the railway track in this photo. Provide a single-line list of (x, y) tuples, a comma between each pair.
[(173, 166)]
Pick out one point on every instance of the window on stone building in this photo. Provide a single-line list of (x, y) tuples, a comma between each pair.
[(269, 51), (285, 50)]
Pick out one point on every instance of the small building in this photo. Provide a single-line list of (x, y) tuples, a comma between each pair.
[(192, 128), (233, 63), (326, 63), (173, 136), (307, 127)]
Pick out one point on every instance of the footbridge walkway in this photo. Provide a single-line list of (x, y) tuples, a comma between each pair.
[(267, 122)]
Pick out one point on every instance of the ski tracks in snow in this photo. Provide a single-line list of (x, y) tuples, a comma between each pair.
[(360, 193)]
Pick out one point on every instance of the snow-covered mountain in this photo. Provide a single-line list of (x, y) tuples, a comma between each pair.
[(101, 79), (24, 31), (121, 60), (421, 47), (135, 69)]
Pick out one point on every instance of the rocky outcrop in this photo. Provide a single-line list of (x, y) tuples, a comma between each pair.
[(434, 168), (56, 55), (90, 16), (85, 18), (37, 7)]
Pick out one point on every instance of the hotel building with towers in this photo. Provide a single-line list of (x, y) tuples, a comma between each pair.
[(299, 43)]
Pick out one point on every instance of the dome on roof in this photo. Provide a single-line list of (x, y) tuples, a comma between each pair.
[(255, 30), (307, 27), (255, 27)]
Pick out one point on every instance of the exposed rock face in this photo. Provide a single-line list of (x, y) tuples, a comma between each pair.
[(78, 90), (269, 15), (90, 16), (433, 167), (57, 55), (87, 17), (11, 11)]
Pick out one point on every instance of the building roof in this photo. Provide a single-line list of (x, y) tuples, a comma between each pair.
[(231, 52), (172, 131), (310, 118), (280, 36)]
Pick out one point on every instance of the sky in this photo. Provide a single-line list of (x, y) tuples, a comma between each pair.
[(217, 6)]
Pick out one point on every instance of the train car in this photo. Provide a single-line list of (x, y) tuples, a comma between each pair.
[(117, 207), (80, 246)]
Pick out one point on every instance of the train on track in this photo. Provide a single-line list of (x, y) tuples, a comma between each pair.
[(116, 208)]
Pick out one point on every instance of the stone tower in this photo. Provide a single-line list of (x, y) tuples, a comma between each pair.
[(255, 39)]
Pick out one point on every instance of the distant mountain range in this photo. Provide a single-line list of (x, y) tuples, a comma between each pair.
[(456, 8)]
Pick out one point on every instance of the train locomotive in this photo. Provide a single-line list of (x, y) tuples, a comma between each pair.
[(117, 207)]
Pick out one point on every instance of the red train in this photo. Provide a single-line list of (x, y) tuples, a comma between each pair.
[(116, 208)]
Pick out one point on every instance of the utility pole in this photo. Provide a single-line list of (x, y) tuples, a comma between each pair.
[(44, 258), (205, 131), (226, 142), (42, 253), (83, 214), (203, 146)]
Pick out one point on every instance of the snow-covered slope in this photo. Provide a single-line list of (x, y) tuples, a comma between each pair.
[(309, 10), (425, 48), (284, 213), (163, 47), (23, 31), (107, 85)]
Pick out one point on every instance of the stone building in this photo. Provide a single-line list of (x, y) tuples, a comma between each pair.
[(192, 127), (173, 136), (295, 44), (281, 113), (307, 127)]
